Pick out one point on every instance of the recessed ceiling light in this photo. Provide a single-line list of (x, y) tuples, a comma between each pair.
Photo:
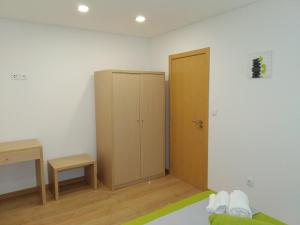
[(140, 19), (83, 8)]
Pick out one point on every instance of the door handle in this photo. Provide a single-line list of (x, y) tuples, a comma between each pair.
[(199, 123)]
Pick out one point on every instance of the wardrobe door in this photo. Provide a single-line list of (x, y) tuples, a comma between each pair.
[(152, 124), (126, 125)]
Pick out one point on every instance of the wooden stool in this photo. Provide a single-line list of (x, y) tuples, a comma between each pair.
[(61, 164)]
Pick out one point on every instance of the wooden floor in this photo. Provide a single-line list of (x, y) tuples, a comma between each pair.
[(95, 207)]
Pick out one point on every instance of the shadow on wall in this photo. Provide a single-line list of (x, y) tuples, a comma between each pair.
[(80, 136), (83, 123)]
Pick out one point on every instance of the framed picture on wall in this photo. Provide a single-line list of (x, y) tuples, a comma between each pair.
[(260, 65)]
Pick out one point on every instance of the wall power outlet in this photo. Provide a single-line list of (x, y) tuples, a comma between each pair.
[(250, 182), (18, 76)]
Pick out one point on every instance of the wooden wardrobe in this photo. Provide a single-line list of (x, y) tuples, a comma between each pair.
[(130, 112)]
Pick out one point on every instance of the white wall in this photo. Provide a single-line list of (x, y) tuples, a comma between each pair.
[(256, 132), (56, 103)]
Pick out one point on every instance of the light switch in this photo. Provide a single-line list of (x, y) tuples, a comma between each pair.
[(214, 112)]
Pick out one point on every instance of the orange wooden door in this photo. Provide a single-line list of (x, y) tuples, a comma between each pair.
[(189, 96)]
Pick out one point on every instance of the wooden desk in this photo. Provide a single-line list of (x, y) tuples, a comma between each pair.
[(20, 151)]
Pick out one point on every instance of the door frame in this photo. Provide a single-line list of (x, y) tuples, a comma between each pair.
[(183, 55)]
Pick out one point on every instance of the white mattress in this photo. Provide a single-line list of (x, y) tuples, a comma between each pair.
[(194, 214)]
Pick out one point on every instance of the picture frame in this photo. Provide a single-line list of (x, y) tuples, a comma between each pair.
[(260, 65)]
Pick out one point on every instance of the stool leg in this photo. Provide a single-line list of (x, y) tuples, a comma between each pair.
[(51, 180), (87, 174), (55, 183), (94, 175), (91, 175)]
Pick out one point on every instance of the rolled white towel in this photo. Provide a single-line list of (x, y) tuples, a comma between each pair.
[(239, 204), (221, 203), (211, 203)]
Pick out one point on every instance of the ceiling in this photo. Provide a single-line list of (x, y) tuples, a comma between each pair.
[(118, 16)]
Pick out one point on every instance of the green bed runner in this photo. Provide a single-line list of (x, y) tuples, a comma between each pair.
[(186, 202)]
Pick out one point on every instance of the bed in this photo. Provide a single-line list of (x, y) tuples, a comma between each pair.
[(190, 211)]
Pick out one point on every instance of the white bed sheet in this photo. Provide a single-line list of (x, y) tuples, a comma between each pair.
[(194, 214)]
